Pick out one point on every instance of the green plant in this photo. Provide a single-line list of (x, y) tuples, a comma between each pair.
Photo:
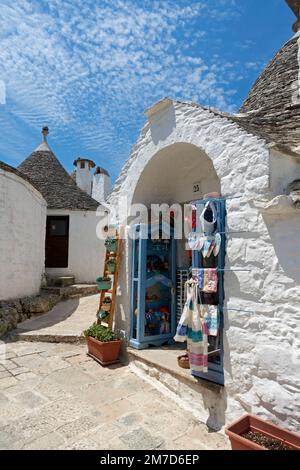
[(100, 333)]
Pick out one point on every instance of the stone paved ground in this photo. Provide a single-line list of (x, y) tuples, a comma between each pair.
[(65, 322), (52, 396)]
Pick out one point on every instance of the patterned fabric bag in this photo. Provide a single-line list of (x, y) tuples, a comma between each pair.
[(192, 328), (186, 317)]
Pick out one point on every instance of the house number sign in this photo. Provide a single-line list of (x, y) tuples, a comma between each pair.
[(197, 188)]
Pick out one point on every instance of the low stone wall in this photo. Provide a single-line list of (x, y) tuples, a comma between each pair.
[(16, 311)]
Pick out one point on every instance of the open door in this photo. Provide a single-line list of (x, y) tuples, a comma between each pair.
[(57, 241)]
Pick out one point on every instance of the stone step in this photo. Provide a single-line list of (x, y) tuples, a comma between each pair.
[(73, 291), (60, 281), (205, 400), (38, 337)]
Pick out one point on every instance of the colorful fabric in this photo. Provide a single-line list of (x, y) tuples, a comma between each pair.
[(211, 281), (207, 279), (211, 249), (207, 248), (187, 314), (210, 315), (208, 245), (218, 241), (193, 329)]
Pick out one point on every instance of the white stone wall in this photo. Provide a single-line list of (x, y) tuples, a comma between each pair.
[(83, 177), (86, 251), (101, 187), (22, 237), (262, 341), (283, 170)]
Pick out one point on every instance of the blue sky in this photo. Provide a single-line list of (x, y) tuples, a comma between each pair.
[(88, 69)]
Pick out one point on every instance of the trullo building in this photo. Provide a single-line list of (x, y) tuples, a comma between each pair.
[(186, 154)]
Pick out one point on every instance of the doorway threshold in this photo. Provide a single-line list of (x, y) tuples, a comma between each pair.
[(164, 359)]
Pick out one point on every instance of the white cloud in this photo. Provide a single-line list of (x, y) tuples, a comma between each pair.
[(88, 69)]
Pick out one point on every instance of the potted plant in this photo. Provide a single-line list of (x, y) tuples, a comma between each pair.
[(103, 283), (102, 315), (251, 433), (103, 344), (111, 265), (106, 304), (111, 244)]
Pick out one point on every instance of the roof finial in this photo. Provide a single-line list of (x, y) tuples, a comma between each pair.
[(45, 132), (295, 6)]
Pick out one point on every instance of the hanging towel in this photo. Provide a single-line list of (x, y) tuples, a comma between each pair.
[(198, 276), (210, 280), (198, 348), (207, 279)]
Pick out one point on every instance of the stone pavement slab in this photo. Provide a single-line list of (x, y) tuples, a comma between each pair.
[(64, 323), (65, 400)]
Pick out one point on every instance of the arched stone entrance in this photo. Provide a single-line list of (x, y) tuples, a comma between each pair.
[(176, 174), (163, 167)]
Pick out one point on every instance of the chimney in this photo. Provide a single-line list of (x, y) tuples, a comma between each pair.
[(101, 185), (83, 174)]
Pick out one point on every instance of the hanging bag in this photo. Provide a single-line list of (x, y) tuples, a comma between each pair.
[(208, 226), (197, 339), (186, 317)]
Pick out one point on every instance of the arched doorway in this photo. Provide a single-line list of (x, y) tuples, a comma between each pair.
[(178, 174)]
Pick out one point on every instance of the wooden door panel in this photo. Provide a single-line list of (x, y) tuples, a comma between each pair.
[(57, 242)]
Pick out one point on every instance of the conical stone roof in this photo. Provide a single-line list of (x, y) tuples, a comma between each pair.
[(272, 108), (54, 183)]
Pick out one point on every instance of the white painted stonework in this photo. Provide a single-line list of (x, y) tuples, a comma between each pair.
[(83, 176), (86, 251), (101, 187), (262, 359), (22, 237)]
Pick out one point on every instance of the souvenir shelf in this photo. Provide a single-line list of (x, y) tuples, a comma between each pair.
[(182, 275), (215, 355), (153, 309)]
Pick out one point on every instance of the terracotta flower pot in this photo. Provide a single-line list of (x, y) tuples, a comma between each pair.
[(269, 430), (105, 353)]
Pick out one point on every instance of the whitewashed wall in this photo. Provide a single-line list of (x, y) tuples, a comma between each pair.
[(86, 251), (22, 237), (262, 346), (101, 187), (83, 176)]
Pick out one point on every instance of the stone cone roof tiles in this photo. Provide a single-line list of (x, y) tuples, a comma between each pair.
[(54, 183), (272, 108)]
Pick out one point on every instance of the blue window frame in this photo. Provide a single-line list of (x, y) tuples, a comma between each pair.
[(216, 349)]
